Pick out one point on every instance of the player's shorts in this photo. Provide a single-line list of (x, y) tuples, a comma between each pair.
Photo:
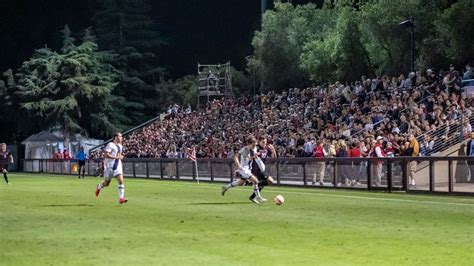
[(245, 173), (259, 174), (262, 175), (109, 172), (3, 167), (81, 163)]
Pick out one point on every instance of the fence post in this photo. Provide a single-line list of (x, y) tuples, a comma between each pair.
[(305, 183), (450, 176), (404, 175), (334, 174), (161, 168), (147, 170), (389, 176), (431, 170), (212, 172), (194, 170), (177, 169), (278, 172), (369, 174), (133, 169)]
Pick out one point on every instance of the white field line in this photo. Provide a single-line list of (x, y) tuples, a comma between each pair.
[(317, 193), (320, 194)]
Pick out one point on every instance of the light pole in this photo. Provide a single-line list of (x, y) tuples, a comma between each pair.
[(409, 23), (263, 7)]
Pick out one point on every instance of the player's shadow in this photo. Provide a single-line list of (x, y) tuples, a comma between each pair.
[(220, 203), (69, 205)]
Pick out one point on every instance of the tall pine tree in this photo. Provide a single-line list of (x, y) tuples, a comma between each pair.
[(125, 27)]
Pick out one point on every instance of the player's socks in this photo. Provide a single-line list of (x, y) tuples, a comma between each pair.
[(232, 184), (256, 191), (5, 177), (121, 189), (261, 185)]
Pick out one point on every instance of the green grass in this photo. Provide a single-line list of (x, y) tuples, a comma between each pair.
[(56, 220)]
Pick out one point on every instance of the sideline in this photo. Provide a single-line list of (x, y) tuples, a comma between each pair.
[(288, 191)]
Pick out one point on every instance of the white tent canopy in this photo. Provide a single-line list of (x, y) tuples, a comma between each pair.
[(44, 144)]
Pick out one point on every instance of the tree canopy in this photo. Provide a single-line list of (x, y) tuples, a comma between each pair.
[(305, 44)]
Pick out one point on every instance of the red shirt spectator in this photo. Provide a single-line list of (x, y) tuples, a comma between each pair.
[(318, 151), (67, 155), (58, 155), (354, 152)]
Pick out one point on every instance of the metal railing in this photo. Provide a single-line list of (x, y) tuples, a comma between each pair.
[(447, 175), (447, 135), (386, 117), (127, 132)]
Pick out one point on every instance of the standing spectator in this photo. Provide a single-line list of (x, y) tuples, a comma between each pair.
[(354, 152), (173, 154), (66, 157), (58, 155), (378, 152), (470, 152), (319, 152), (414, 149), (343, 167), (81, 160), (309, 146), (469, 74), (364, 150)]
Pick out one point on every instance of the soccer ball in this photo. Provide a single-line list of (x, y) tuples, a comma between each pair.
[(279, 199)]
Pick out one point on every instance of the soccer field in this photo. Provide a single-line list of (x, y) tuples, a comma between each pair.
[(57, 220)]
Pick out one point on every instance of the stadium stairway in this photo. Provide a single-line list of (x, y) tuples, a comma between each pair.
[(461, 171)]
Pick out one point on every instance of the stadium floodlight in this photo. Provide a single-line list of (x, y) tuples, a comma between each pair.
[(409, 24)]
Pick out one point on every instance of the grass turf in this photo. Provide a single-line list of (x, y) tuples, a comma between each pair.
[(57, 220)]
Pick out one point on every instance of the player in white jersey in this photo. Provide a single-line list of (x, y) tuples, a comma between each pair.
[(244, 167), (113, 167)]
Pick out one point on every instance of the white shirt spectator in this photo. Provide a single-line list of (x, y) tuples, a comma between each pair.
[(378, 151), (309, 146)]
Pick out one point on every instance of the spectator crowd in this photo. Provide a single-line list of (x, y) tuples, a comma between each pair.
[(346, 120)]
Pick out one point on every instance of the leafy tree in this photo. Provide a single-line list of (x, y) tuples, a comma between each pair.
[(182, 91), (455, 30), (125, 27), (70, 88), (12, 120), (278, 46)]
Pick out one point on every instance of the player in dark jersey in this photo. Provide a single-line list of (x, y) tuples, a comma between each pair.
[(5, 159), (258, 164)]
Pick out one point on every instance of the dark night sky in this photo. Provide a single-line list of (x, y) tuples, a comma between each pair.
[(208, 31)]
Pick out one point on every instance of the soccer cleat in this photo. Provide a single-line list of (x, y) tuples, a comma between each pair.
[(224, 189), (97, 191), (123, 200), (260, 199), (254, 200)]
